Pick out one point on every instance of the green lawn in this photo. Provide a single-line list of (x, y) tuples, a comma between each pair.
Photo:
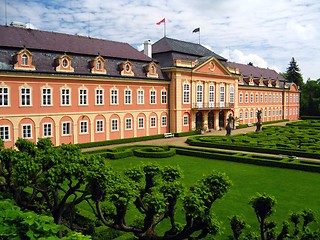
[(294, 190)]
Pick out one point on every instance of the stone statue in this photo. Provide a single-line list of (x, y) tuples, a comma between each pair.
[(229, 124), (259, 122)]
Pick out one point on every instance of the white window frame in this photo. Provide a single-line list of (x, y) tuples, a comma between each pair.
[(163, 97), (246, 115), (266, 97), (140, 122), (99, 96), (222, 95), (153, 97), (257, 97), (114, 97), (114, 125), (241, 97), (24, 60), (127, 96), (4, 96), (251, 98), (65, 96), (5, 133), (128, 124), (246, 98), (47, 129), (231, 94), (185, 120), (46, 96), (83, 127), (26, 131), (251, 114), (83, 96), (211, 95), (240, 115), (164, 121), (66, 129), (199, 95), (99, 126), (140, 96), (25, 97), (261, 97), (153, 122), (186, 93)]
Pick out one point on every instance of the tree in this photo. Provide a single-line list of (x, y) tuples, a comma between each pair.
[(154, 191), (310, 98), (47, 179), (293, 73)]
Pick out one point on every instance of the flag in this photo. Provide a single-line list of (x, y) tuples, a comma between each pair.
[(162, 21), (196, 30)]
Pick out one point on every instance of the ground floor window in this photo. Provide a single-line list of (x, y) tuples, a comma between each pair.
[(164, 121), (153, 122), (4, 133), (114, 125), (128, 123), (99, 126), (47, 129), (66, 128), (141, 122), (185, 120)]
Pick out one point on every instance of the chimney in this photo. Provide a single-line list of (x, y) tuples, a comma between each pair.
[(148, 48)]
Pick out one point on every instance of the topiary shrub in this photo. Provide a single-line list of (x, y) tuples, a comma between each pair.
[(154, 152)]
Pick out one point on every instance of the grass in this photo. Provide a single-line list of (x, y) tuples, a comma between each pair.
[(294, 190)]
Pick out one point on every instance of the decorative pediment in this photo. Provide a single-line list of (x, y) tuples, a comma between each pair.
[(151, 70), (23, 60), (212, 66), (97, 65), (126, 68), (63, 64)]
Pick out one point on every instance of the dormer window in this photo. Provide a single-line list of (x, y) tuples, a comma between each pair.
[(97, 65), (23, 60), (151, 70), (63, 64), (126, 68)]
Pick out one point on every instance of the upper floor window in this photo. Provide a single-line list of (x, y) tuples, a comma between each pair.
[(65, 97), (114, 96), (186, 93), (199, 93), (261, 97), (241, 97), (247, 98), (25, 96), (140, 96), (46, 96), (163, 96), (211, 94), (4, 96), (231, 94), (266, 98), (257, 97), (24, 60), (151, 70), (99, 96), (97, 65), (126, 68), (63, 64), (83, 96), (251, 98), (127, 96), (152, 97)]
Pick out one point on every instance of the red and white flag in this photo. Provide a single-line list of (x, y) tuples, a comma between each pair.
[(162, 21)]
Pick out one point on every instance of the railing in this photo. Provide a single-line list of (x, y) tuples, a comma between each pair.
[(212, 105)]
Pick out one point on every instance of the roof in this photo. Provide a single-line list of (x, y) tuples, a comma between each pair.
[(173, 45), (248, 70), (15, 37)]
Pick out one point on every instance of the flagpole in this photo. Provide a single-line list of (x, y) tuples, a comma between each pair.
[(164, 29), (199, 37)]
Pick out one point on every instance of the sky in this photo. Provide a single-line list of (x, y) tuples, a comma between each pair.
[(267, 33)]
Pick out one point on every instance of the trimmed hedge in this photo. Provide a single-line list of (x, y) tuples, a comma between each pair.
[(154, 152), (184, 134)]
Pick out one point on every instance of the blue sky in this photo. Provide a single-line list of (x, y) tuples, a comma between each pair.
[(267, 33)]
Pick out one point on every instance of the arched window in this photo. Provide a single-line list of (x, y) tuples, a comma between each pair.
[(99, 66), (24, 60)]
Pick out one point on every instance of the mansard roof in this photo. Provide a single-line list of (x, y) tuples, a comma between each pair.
[(15, 37), (181, 47)]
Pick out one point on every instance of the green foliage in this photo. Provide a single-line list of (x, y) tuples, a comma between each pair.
[(310, 98), (293, 73), (1, 144), (237, 224)]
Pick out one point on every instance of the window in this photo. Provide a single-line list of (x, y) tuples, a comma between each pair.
[(99, 65), (266, 98), (26, 131), (281, 98), (269, 113), (211, 96), (290, 111), (251, 114), (222, 95), (152, 97), (199, 95), (128, 123), (4, 96), (47, 130), (241, 98), (46, 97), (140, 122), (286, 112), (163, 97), (246, 115), (185, 120), (257, 97), (140, 97), (65, 96), (270, 98), (25, 96), (99, 126), (240, 115), (232, 94), (84, 127), (127, 96), (24, 60), (274, 98), (277, 112), (287, 98), (4, 133), (83, 97), (261, 97), (152, 122), (186, 93), (164, 121), (265, 113), (114, 125), (246, 97), (65, 63), (66, 128), (280, 112), (291, 98), (114, 96), (277, 98), (99, 96), (251, 97)]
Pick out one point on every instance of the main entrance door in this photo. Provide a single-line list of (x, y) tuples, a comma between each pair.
[(199, 120)]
